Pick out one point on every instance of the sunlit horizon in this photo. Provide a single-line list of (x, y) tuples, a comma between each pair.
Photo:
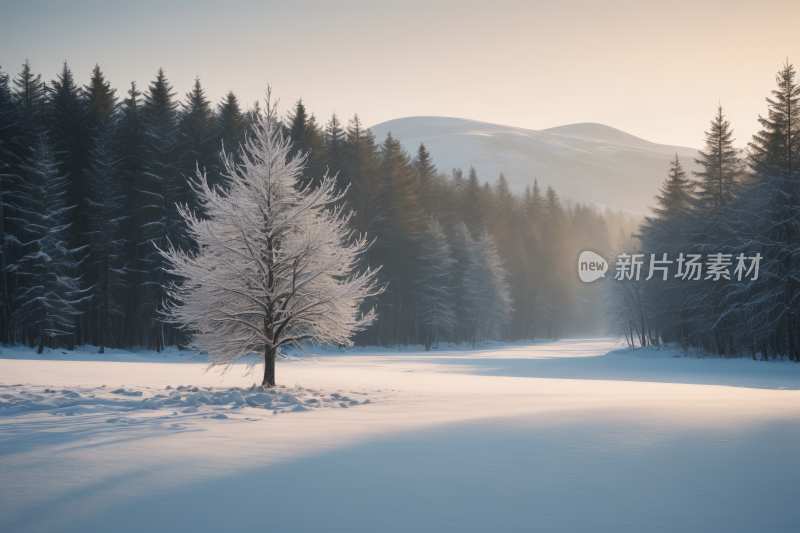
[(524, 64)]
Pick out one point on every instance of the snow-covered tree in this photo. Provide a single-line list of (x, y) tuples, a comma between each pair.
[(464, 280), (776, 148), (435, 301), (46, 295), (160, 187), (493, 293), (276, 260), (105, 203), (483, 293)]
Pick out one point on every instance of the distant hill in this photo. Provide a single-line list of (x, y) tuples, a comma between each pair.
[(585, 162)]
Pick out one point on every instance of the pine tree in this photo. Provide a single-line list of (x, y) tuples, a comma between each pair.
[(557, 250), (403, 209), (482, 293), (71, 138), (502, 208), (70, 132), (465, 280), (435, 301), (102, 99), (534, 206), (13, 150), (721, 165), (659, 301), (307, 138), (232, 124), (533, 306), (134, 255), (162, 188), (297, 128), (46, 297), (30, 93), (199, 145), (473, 209), (365, 193), (106, 204), (676, 194), (397, 231), (776, 148), (493, 292), (316, 152), (252, 117), (426, 173), (335, 141)]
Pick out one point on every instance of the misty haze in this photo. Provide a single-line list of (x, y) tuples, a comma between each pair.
[(399, 267)]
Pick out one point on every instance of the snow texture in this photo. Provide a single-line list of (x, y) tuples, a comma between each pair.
[(572, 435)]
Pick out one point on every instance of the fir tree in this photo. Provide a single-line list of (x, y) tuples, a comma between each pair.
[(46, 300), (403, 209), (297, 128), (199, 145), (139, 209), (364, 195), (317, 153), (335, 140), (232, 124), (557, 249), (71, 135), (676, 194), (307, 138), (720, 163), (493, 293), (106, 203), (465, 280), (402, 222), (776, 148), (13, 150), (252, 117), (30, 93), (426, 173), (102, 99), (473, 211), (162, 188), (435, 302)]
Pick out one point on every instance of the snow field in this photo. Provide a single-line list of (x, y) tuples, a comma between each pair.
[(523, 437), (23, 399)]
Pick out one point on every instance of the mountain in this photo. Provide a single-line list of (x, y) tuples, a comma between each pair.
[(585, 162)]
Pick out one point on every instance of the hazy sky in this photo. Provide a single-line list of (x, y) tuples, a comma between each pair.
[(652, 69)]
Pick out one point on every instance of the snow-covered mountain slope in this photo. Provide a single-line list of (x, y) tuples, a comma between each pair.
[(585, 162)]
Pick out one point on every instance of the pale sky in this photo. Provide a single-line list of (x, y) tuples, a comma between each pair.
[(653, 69)]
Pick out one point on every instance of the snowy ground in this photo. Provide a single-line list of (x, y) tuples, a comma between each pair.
[(546, 436)]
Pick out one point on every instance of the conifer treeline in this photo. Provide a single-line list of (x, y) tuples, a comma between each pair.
[(90, 181), (741, 203)]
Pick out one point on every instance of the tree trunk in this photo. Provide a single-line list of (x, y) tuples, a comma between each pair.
[(269, 367), (41, 339)]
